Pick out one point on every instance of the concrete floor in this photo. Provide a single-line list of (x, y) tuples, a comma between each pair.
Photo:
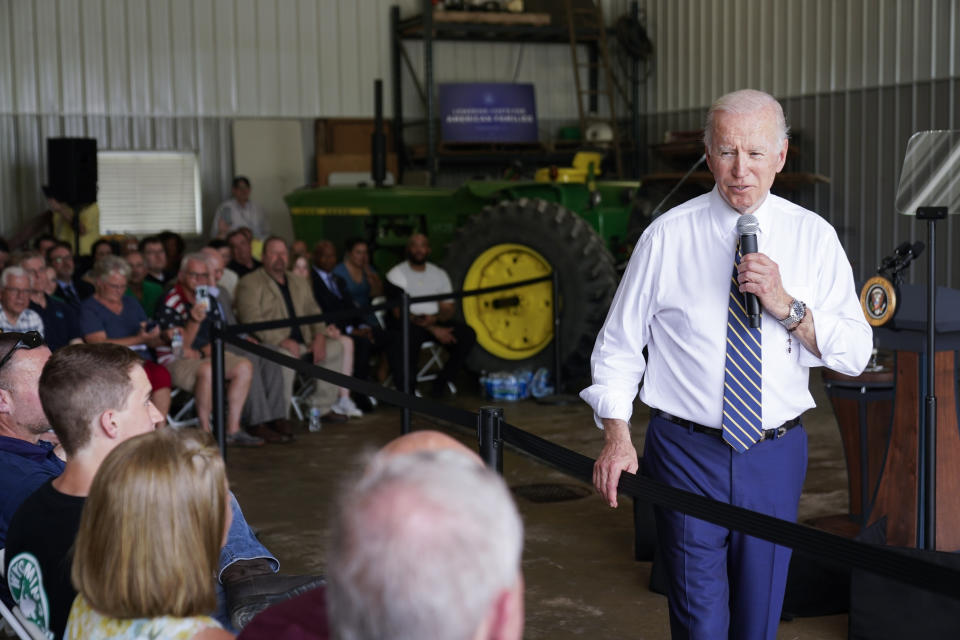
[(578, 562)]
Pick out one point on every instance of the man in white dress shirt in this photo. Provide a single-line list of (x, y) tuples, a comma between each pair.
[(676, 300)]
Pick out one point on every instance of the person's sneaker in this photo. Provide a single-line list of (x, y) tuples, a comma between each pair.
[(248, 597), (243, 439), (364, 403), (345, 407)]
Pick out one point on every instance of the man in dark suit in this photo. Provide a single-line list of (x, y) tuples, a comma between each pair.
[(70, 289), (331, 294)]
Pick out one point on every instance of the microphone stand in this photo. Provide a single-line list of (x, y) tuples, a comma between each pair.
[(931, 215)]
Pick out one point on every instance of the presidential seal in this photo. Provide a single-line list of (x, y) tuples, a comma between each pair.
[(878, 299)]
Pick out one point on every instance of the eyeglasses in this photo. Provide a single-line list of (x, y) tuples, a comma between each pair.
[(28, 340)]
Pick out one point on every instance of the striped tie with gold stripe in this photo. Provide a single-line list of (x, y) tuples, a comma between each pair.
[(742, 423)]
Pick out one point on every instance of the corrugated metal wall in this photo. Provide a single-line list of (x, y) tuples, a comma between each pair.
[(857, 77)]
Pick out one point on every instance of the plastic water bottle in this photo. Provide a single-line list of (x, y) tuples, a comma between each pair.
[(176, 344), (314, 419)]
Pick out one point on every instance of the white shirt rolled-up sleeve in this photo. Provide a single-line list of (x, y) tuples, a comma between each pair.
[(617, 363)]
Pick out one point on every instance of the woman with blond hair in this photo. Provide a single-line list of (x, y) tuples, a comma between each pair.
[(149, 540)]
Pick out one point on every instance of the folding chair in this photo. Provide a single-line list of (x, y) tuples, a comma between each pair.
[(302, 389), (434, 364), (185, 414)]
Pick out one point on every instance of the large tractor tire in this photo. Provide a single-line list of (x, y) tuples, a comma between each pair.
[(520, 240)]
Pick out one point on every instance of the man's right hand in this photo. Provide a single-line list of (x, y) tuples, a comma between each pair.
[(618, 455)]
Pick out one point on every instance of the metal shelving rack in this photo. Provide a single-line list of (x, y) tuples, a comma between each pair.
[(423, 27)]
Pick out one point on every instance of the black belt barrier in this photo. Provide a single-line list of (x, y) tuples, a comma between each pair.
[(836, 550)]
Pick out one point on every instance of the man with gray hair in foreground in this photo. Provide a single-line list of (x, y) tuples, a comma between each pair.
[(426, 545)]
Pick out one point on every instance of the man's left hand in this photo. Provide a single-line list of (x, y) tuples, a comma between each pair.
[(760, 275), (443, 335)]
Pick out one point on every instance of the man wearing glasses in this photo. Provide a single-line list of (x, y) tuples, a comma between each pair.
[(69, 289), (15, 302)]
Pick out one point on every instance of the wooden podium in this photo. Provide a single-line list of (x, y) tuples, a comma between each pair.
[(883, 438)]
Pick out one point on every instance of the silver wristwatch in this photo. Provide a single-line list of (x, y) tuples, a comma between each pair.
[(797, 311)]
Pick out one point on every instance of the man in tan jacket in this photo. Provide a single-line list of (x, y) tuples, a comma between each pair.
[(271, 293)]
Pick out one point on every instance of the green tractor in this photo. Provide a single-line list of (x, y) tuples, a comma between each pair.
[(487, 233)]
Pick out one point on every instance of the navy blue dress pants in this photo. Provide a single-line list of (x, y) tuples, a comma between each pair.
[(722, 583)]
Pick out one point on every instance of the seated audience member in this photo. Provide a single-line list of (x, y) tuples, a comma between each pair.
[(110, 315), (104, 247), (70, 288), (239, 211), (429, 320), (97, 396), (43, 242), (15, 312), (147, 292), (363, 283), (270, 293), (101, 247), (228, 281), (266, 408), (412, 557), (344, 404), (299, 248), (300, 266), (128, 243), (27, 456), (155, 258), (136, 502), (192, 369), (305, 616), (51, 282), (333, 294), (243, 261), (173, 246), (61, 322)]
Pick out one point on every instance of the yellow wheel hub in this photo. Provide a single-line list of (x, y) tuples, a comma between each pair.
[(512, 324)]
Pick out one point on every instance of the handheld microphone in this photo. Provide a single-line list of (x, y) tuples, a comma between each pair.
[(747, 227)]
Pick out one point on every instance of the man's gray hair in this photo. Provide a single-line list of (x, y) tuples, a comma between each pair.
[(423, 543), (108, 265), (13, 272), (195, 256), (743, 102)]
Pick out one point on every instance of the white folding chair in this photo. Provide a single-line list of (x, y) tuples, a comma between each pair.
[(302, 389), (185, 414)]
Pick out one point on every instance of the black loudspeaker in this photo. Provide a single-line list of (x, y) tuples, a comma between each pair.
[(72, 169)]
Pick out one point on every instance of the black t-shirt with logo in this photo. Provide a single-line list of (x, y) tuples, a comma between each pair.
[(39, 554)]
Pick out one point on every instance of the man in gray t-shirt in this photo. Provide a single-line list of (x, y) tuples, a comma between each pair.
[(428, 320)]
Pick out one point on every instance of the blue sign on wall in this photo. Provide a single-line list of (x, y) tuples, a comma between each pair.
[(488, 112)]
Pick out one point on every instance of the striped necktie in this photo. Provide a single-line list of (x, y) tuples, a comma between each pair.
[(742, 413)]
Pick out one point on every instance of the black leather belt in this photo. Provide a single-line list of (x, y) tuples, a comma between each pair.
[(768, 434)]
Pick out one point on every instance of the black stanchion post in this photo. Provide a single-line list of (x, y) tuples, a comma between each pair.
[(557, 364), (489, 428), (217, 370), (404, 373)]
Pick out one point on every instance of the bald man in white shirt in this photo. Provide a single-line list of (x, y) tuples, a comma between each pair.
[(726, 399)]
